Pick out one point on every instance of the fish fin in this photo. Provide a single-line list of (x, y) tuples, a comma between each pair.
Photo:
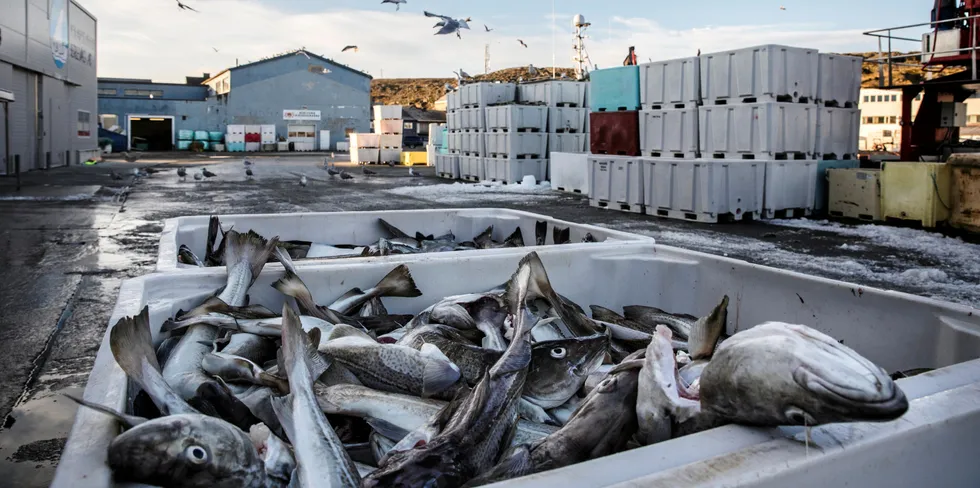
[(561, 235), (296, 346), (516, 292), (366, 252), (515, 239), (353, 292), (385, 323), (706, 331), (394, 231), (343, 330), (282, 255), (128, 421), (386, 428), (605, 315), (438, 375), (214, 225), (315, 335), (541, 232), (292, 285), (399, 283), (283, 407), (250, 248), (170, 325), (485, 238), (224, 405), (637, 312), (212, 304), (132, 344)]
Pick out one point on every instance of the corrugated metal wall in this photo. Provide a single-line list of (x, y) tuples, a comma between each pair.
[(22, 118), (59, 124)]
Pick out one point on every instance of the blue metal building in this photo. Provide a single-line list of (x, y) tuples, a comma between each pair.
[(47, 84), (294, 90)]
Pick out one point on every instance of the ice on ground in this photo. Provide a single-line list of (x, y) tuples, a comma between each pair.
[(484, 191), (924, 275), (48, 198)]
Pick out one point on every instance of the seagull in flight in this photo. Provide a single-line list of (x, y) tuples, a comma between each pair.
[(185, 7), (522, 43), (449, 25), (396, 2), (487, 28), (348, 48), (215, 49)]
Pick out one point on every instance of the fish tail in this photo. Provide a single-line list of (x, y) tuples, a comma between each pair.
[(529, 282), (399, 283), (484, 238), (562, 235), (707, 330), (297, 346), (283, 407), (214, 225), (515, 239), (131, 344), (292, 285), (249, 248), (540, 232), (283, 256), (391, 229)]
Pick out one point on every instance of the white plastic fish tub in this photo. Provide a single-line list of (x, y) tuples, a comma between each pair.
[(553, 93), (513, 170), (517, 117), (484, 94), (763, 129), (569, 172), (669, 132), (362, 228), (791, 188), (666, 83), (472, 168), (472, 118), (838, 133), (762, 72), (616, 182), (839, 80), (569, 143), (567, 119), (895, 330), (473, 143), (447, 165), (517, 144), (703, 190)]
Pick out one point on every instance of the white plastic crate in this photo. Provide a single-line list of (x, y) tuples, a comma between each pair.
[(567, 119), (388, 126), (568, 143), (365, 155), (669, 133), (473, 143), (838, 133), (932, 444), (484, 94), (512, 170), (790, 189), (253, 129), (767, 72), (390, 155), (236, 130), (343, 146), (569, 172), (387, 112), (517, 118), (430, 154), (361, 140), (253, 146), (268, 134), (514, 144), (454, 120), (238, 137), (473, 118), (455, 142), (704, 190), (553, 93), (472, 168), (839, 80), (447, 166), (616, 182), (664, 84), (765, 130), (454, 100), (390, 141)]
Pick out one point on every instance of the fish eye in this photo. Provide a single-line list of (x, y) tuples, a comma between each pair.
[(196, 454), (558, 352)]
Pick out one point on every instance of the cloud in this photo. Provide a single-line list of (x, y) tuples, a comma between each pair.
[(157, 40)]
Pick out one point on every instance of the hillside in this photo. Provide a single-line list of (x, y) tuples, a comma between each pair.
[(423, 92)]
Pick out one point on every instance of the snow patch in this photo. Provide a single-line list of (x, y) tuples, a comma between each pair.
[(59, 198), (924, 275), (484, 191)]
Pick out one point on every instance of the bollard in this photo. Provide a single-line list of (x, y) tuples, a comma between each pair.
[(68, 158), (17, 169), (47, 160)]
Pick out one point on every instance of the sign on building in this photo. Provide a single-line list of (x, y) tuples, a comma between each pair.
[(301, 115)]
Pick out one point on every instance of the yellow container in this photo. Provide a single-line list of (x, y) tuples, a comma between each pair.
[(965, 192), (415, 157), (915, 191), (854, 193)]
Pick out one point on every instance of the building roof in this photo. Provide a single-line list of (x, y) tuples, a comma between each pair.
[(291, 53), (419, 115)]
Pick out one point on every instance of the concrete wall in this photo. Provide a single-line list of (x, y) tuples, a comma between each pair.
[(48, 59)]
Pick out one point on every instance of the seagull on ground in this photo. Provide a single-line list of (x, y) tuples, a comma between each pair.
[(115, 176), (368, 172), (302, 180), (182, 173), (198, 177), (248, 173), (411, 172), (246, 162), (207, 174), (346, 176)]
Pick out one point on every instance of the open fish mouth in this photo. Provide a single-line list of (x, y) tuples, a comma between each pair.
[(883, 400)]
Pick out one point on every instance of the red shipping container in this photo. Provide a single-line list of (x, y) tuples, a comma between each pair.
[(615, 133)]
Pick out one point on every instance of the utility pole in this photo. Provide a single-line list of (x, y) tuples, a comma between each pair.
[(486, 59)]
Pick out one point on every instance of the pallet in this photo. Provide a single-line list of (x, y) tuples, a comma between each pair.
[(833, 157), (469, 178), (786, 213), (791, 156), (518, 156), (836, 104), (862, 217), (568, 105), (616, 153), (567, 131), (617, 109), (698, 217), (448, 176), (669, 106), (522, 129), (670, 155), (621, 206), (765, 98), (573, 190)]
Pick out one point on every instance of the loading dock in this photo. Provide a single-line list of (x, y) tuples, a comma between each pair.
[(150, 132)]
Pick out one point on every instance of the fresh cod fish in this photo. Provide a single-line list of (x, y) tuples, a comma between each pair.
[(559, 368)]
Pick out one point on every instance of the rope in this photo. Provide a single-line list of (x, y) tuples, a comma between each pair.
[(939, 197)]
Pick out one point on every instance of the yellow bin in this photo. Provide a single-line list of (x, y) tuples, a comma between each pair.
[(915, 191), (415, 157), (965, 192)]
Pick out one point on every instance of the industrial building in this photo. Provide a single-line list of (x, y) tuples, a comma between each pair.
[(47, 84), (301, 93)]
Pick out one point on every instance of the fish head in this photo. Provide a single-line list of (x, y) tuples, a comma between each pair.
[(612, 404), (428, 466), (559, 368), (185, 450), (785, 374)]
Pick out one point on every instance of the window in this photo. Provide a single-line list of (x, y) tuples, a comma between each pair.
[(318, 69), (131, 92), (84, 124), (893, 119), (865, 99), (108, 120), (886, 133), (894, 98), (879, 98), (879, 120), (408, 125), (108, 92)]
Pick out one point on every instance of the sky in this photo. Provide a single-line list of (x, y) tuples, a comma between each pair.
[(155, 39)]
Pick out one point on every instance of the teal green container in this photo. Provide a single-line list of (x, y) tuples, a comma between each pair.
[(615, 89), (216, 136), (184, 145), (823, 186), (201, 135), (185, 135)]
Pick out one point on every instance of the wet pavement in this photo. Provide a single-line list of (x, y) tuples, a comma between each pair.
[(72, 235)]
